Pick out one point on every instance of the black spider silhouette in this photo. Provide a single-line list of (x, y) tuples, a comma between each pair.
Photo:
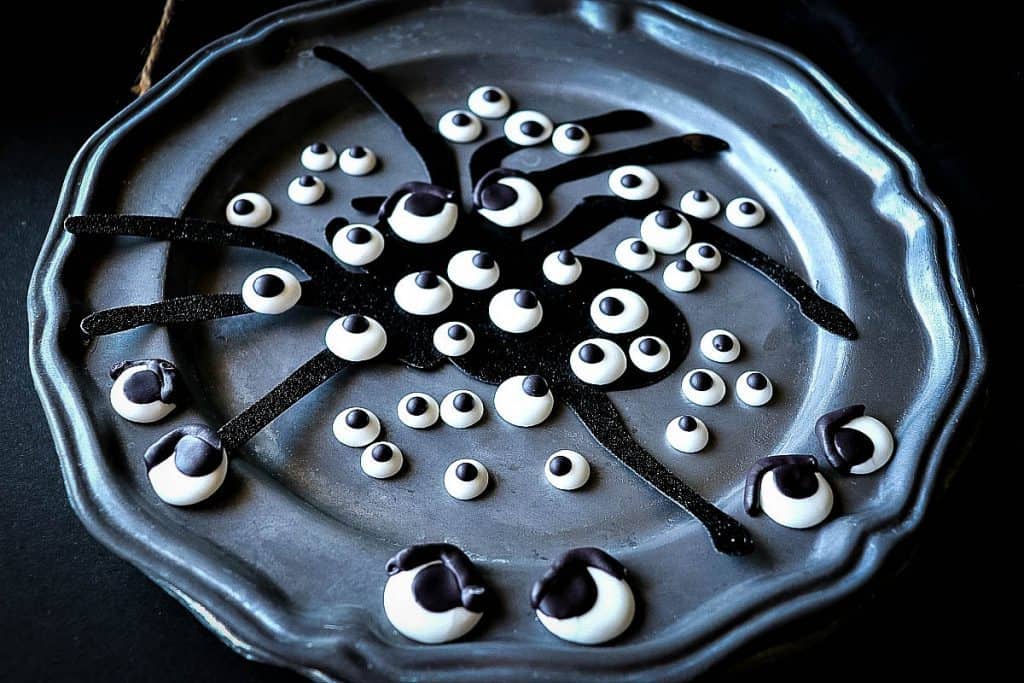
[(368, 292)]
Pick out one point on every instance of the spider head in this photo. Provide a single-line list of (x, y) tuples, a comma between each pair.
[(416, 212)]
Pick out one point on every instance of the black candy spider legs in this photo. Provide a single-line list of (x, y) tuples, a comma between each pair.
[(186, 309)]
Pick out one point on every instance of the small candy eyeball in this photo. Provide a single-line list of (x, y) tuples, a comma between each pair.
[(687, 434), (528, 128), (681, 276), (306, 189), (789, 489), (382, 460), (466, 479), (666, 231), (454, 338), (507, 199), (461, 409), (356, 427), (571, 139), (597, 361), (357, 160), (249, 210), (459, 125), (618, 311), (720, 346), (584, 597), (633, 182), (855, 443), (357, 244), (473, 269), (562, 267), (634, 254), (700, 203), (489, 102), (515, 310), (744, 212), (271, 291), (187, 465), (524, 400), (145, 391), (419, 411), (424, 215), (423, 293), (318, 157), (703, 387), (754, 388), (567, 470), (356, 338), (649, 354), (704, 257)]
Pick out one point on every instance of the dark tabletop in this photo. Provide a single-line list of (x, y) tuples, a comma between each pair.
[(946, 85)]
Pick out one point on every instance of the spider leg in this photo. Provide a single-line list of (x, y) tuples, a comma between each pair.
[(589, 216), (186, 309)]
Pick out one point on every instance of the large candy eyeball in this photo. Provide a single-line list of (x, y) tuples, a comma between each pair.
[(356, 338), (571, 139), (249, 210), (507, 200), (524, 400), (515, 310), (721, 346), (700, 203), (145, 391), (754, 388), (618, 311), (423, 293), (567, 470), (597, 361), (382, 460), (744, 212), (356, 427), (562, 267), (681, 276), (528, 128), (473, 269), (461, 409), (649, 354), (306, 189), (423, 217), (489, 101), (704, 256), (855, 443), (271, 291), (790, 490), (687, 434), (466, 479), (454, 339), (634, 254), (460, 126), (666, 231), (187, 465), (357, 160), (318, 157), (584, 598), (633, 182), (357, 244), (419, 411), (703, 387)]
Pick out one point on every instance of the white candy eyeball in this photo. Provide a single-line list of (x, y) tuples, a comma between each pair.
[(721, 346), (754, 388), (562, 267), (703, 387), (356, 427), (567, 470), (357, 244), (356, 338), (666, 231), (249, 210), (790, 490), (510, 201), (271, 291), (515, 310), (681, 276), (528, 128), (473, 269), (744, 212), (423, 293), (461, 409), (704, 257), (618, 311), (571, 139), (598, 361), (687, 434), (460, 126), (454, 339), (633, 183), (306, 189), (700, 203), (187, 465), (318, 157), (855, 443), (145, 391), (489, 101), (524, 400), (382, 460), (634, 254), (357, 160), (466, 479), (649, 354), (423, 218), (419, 411)]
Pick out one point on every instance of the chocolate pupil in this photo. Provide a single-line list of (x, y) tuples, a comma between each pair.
[(722, 343), (268, 285), (650, 347), (357, 419), (427, 280), (358, 236), (630, 180), (701, 381), (526, 299), (706, 251), (591, 353), (424, 204), (243, 207), (498, 196), (566, 257), (531, 129), (667, 219), (854, 446), (535, 385), (560, 465), (466, 471), (417, 405), (463, 402), (687, 423), (356, 324), (747, 208), (457, 332), (638, 247), (381, 452), (357, 152), (796, 481), (611, 306), (492, 96), (483, 260), (757, 381), (574, 133)]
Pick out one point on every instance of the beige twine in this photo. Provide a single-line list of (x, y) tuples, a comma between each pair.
[(146, 75)]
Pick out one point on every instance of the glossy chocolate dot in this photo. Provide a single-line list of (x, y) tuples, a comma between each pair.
[(757, 381), (796, 481), (560, 465), (687, 423), (566, 257), (611, 306), (307, 181), (461, 120), (747, 208), (457, 332), (357, 152), (722, 342), (591, 353), (706, 251), (639, 247), (424, 204), (358, 235), (532, 129), (700, 195), (355, 324), (318, 148), (526, 299), (427, 280), (498, 196), (357, 419), (382, 452), (417, 405), (701, 381), (535, 385), (629, 180), (650, 347), (466, 471), (574, 133), (667, 218), (243, 207), (491, 95), (268, 285), (464, 402), (683, 265), (483, 260)]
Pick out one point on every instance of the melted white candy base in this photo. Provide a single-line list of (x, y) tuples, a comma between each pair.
[(176, 488), (611, 614), (880, 436), (795, 513), (421, 625), (141, 413)]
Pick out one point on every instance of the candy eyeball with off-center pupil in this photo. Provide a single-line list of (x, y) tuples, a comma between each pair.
[(423, 293), (145, 391), (618, 311), (528, 128), (789, 489), (634, 254), (720, 346), (306, 189), (649, 354), (319, 156), (466, 479), (754, 388), (687, 434), (461, 409), (381, 460), (681, 276), (744, 212), (562, 267), (357, 160), (597, 361), (454, 339), (271, 291), (703, 387), (356, 427), (524, 400), (460, 126), (666, 231), (473, 269), (855, 443), (506, 199), (700, 203), (187, 465), (489, 102), (515, 310), (249, 210), (571, 139), (633, 182), (419, 411), (704, 257), (567, 470), (357, 244), (356, 338), (423, 217)]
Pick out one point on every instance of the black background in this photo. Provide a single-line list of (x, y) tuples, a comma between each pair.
[(945, 83)]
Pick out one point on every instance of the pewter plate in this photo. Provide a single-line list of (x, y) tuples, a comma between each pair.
[(286, 562)]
